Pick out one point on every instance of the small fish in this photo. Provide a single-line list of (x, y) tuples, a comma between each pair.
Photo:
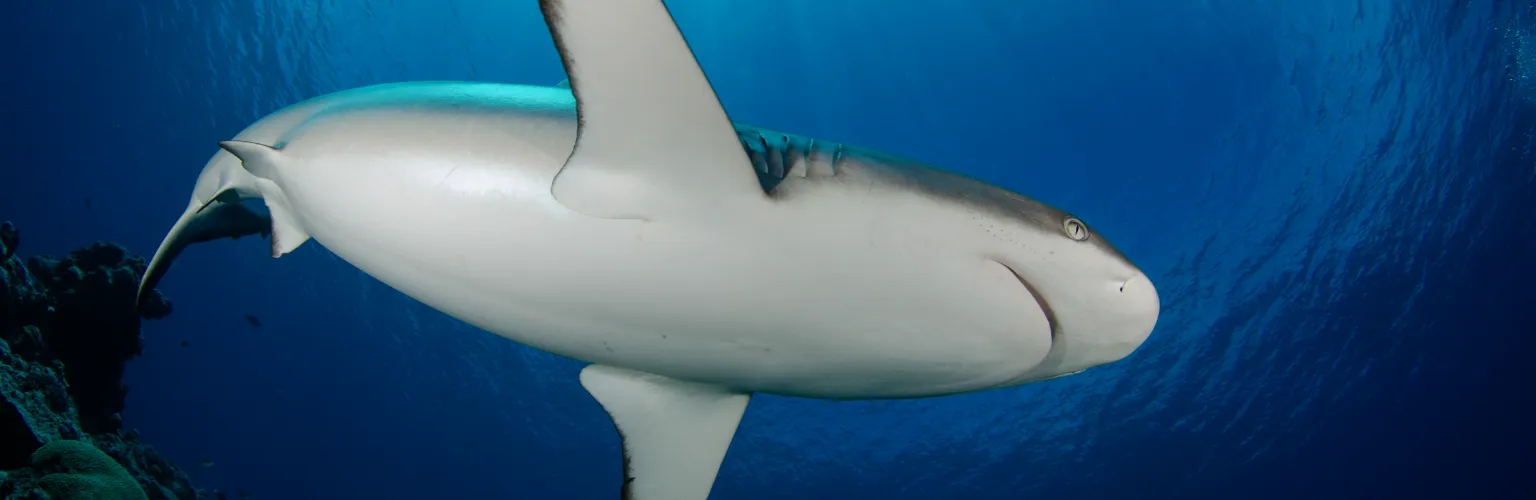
[(207, 462), (253, 320), (87, 203), (184, 342)]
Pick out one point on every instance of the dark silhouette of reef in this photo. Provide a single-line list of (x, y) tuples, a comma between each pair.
[(68, 327)]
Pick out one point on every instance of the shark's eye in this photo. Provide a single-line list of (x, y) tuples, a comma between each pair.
[(1075, 229)]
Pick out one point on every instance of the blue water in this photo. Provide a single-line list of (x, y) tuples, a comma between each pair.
[(1335, 199)]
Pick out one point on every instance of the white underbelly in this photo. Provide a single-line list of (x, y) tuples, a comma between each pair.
[(807, 301), (735, 309)]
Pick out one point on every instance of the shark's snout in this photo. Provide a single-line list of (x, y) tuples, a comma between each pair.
[(1140, 306)]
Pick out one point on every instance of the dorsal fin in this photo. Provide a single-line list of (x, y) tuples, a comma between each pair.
[(652, 140)]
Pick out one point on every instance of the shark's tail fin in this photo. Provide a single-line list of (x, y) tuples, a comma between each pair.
[(216, 219), (224, 185)]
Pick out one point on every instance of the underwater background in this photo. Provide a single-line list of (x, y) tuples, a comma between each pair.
[(1336, 200)]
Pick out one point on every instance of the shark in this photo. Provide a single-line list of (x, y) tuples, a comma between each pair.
[(624, 220)]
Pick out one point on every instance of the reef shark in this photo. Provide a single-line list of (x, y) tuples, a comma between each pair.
[(626, 221)]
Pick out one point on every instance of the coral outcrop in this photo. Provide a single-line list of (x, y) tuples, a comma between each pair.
[(75, 470), (68, 326)]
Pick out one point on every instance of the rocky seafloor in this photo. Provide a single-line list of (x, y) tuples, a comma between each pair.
[(68, 327)]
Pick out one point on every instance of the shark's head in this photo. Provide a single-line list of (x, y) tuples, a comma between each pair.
[(1101, 307)]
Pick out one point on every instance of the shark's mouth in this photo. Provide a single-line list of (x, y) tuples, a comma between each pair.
[(1054, 351), (1045, 306)]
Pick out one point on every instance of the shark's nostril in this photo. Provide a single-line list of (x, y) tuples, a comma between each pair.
[(1133, 283), (1140, 290)]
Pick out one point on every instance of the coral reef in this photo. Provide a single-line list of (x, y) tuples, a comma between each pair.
[(91, 293), (75, 470), (67, 328)]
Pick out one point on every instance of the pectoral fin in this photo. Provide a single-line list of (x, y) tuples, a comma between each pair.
[(674, 433), (652, 139)]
